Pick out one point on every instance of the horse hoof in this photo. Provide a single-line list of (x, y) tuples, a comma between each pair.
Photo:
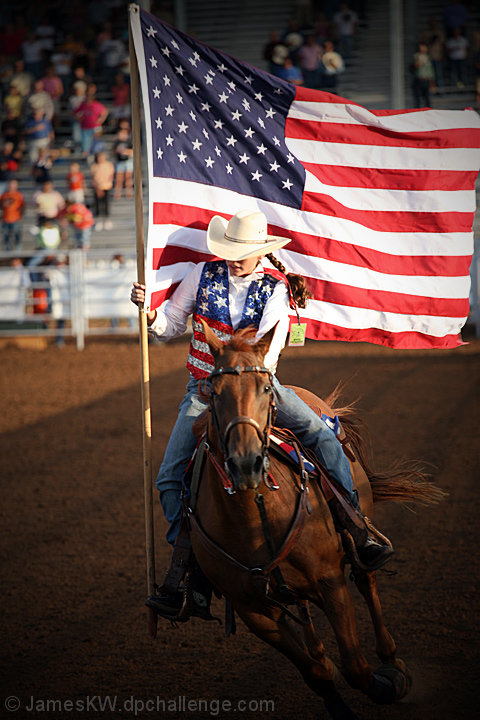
[(390, 684)]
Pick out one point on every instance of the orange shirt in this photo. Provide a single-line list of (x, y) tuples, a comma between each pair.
[(12, 204), (75, 180)]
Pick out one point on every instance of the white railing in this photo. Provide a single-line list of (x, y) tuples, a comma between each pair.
[(73, 293)]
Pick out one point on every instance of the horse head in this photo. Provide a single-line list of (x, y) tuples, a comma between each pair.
[(241, 404)]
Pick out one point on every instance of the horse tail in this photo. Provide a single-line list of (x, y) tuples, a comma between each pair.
[(403, 481)]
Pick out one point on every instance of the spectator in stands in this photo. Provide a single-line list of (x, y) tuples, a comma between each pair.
[(435, 39), (22, 79), (269, 49), (76, 184), (79, 75), (91, 114), (98, 145), (61, 59), (345, 23), (39, 133), (457, 52), (102, 173), (290, 72), (293, 39), (121, 98), (8, 165), (423, 76), (77, 97), (52, 84), (12, 207), (45, 33), (310, 58), (12, 131), (279, 55), (83, 58), (81, 219), (43, 164), (111, 54), (123, 155), (32, 53), (333, 65), (13, 100), (48, 203), (41, 100)]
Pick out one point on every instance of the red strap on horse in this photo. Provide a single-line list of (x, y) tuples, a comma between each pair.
[(227, 483)]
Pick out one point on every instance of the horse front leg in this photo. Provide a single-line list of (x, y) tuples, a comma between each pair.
[(384, 686), (385, 644), (317, 669)]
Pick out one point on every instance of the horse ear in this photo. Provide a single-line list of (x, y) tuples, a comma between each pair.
[(214, 343), (263, 345)]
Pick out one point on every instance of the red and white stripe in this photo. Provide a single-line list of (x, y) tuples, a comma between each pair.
[(384, 236)]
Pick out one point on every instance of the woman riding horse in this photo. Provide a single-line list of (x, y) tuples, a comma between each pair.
[(247, 287)]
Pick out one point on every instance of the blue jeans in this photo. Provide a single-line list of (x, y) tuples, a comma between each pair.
[(11, 231), (82, 237), (292, 413), (87, 139), (177, 455)]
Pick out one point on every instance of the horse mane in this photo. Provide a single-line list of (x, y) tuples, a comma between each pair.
[(241, 340)]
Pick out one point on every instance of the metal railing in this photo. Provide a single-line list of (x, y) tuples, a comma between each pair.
[(73, 293)]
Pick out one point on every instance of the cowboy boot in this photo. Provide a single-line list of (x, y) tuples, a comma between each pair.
[(367, 553)]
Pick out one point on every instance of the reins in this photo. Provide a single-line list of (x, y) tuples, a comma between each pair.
[(260, 574)]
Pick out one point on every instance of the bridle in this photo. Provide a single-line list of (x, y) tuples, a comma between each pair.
[(264, 435), (259, 573)]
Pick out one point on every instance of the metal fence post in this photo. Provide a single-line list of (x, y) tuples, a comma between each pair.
[(77, 290)]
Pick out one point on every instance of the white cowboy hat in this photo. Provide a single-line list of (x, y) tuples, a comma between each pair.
[(244, 236)]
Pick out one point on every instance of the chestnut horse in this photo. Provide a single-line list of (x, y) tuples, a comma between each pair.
[(238, 551)]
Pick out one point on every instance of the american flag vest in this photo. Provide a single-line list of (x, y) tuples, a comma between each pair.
[(212, 306)]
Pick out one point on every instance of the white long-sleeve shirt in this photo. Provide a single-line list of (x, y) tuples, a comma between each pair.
[(171, 321)]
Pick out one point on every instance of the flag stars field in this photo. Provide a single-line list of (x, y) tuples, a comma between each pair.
[(216, 85)]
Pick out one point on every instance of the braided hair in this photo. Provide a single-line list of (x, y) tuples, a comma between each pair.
[(297, 283)]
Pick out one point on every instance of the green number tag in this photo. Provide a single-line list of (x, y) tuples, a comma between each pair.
[(297, 334)]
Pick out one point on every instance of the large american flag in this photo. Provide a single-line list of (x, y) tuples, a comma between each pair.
[(379, 204)]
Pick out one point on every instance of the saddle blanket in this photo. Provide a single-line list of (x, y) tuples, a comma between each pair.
[(332, 423)]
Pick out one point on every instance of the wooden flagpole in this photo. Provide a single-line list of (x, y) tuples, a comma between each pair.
[(146, 408)]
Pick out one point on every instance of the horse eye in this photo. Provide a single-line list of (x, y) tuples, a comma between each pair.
[(267, 389)]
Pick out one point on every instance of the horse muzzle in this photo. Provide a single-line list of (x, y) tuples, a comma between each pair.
[(245, 471)]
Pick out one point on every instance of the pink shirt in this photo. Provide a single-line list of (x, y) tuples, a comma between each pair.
[(309, 56), (53, 86), (89, 113)]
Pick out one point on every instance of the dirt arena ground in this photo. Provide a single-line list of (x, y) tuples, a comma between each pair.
[(72, 540)]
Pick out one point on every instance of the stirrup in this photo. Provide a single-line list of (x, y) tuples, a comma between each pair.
[(351, 554), (190, 606)]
